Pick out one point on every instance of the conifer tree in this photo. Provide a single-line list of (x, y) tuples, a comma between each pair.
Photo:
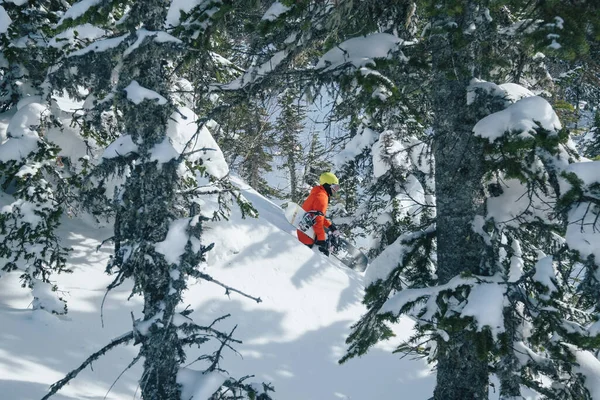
[(289, 126), (169, 164), (248, 141), (30, 160), (438, 271), (590, 141)]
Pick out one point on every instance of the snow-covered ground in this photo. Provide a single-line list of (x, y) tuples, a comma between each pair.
[(292, 339)]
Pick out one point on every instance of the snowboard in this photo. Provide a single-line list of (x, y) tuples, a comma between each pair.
[(299, 218), (339, 247), (349, 255)]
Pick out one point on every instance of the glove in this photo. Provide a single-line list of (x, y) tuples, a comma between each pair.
[(333, 230), (322, 245)]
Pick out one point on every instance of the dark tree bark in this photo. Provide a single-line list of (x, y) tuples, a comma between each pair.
[(462, 373)]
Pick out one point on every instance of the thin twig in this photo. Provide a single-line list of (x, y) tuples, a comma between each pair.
[(227, 288), (131, 364), (115, 342)]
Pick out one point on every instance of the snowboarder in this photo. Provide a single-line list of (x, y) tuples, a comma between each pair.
[(317, 202)]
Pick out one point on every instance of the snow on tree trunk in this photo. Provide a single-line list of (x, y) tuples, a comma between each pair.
[(146, 208)]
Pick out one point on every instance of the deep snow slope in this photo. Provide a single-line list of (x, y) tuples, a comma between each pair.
[(292, 339)]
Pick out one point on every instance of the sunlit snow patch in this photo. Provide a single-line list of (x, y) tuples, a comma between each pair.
[(522, 116), (275, 11), (361, 51)]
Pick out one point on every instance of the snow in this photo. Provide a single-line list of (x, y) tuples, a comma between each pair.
[(71, 144), (516, 204), (184, 135), (485, 304), (365, 138), (555, 45), (22, 140), (100, 45), (30, 100), (360, 51), (177, 6), (26, 209), (78, 9), (388, 152), (511, 92), (594, 329), (275, 11), (255, 73), (123, 146), (45, 297), (197, 385), (159, 37), (137, 94), (390, 258), (85, 32), (16, 2), (143, 327), (544, 273), (477, 226), (174, 244), (524, 354), (517, 264), (293, 339), (515, 92), (589, 366), (522, 116), (395, 303), (559, 22), (164, 151), (588, 172), (5, 20), (582, 230), (487, 87)]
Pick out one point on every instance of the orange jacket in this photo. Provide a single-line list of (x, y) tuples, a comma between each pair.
[(317, 200)]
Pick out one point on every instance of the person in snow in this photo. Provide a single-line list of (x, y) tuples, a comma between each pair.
[(317, 202)]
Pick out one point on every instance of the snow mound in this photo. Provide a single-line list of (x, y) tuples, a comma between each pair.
[(523, 116), (185, 136), (5, 20), (293, 339), (360, 51)]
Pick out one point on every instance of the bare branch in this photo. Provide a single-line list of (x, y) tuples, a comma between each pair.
[(228, 289), (115, 342)]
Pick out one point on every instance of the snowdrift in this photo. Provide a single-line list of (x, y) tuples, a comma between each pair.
[(292, 339)]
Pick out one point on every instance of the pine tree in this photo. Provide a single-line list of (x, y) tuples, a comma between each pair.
[(316, 161), (289, 126), (248, 141), (169, 164), (590, 141), (437, 272), (30, 160)]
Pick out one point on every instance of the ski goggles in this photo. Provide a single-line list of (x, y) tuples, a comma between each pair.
[(335, 187)]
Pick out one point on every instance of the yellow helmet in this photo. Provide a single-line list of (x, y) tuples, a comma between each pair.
[(328, 177)]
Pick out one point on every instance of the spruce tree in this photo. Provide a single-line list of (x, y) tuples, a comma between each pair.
[(34, 172), (169, 164), (438, 271), (248, 140), (289, 127)]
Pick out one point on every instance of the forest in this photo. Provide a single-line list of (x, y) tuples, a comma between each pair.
[(465, 135)]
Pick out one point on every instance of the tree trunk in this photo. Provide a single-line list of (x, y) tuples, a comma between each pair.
[(508, 368), (462, 373), (147, 209), (291, 163)]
